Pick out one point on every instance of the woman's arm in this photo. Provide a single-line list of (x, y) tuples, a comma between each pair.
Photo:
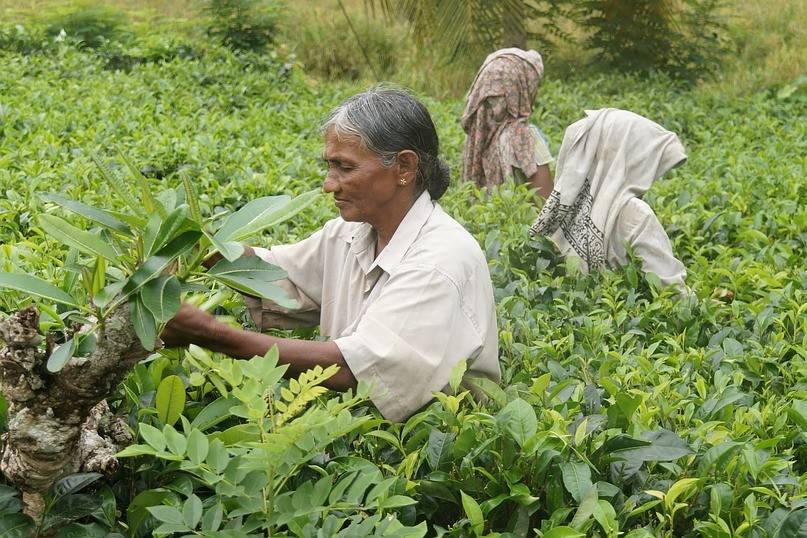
[(541, 181), (194, 326)]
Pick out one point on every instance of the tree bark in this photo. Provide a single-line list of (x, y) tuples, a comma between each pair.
[(59, 424)]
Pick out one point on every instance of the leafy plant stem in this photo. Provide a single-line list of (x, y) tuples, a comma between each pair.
[(197, 259)]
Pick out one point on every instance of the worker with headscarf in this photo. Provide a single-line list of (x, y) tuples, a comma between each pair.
[(500, 141), (606, 163)]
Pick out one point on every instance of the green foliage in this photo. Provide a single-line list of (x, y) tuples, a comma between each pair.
[(255, 477), (145, 49), (243, 24), (19, 38), (680, 38), (159, 248), (13, 523), (472, 29), (622, 409), (170, 399), (66, 501)]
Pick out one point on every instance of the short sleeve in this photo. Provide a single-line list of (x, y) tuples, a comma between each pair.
[(523, 148), (303, 262), (401, 348), (542, 154)]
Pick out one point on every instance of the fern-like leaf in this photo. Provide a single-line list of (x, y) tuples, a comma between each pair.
[(150, 203), (120, 191), (302, 391), (191, 197)]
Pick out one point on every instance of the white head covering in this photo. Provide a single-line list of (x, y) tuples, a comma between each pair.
[(606, 158)]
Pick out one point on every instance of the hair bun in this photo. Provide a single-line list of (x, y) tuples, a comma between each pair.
[(440, 179), (434, 175)]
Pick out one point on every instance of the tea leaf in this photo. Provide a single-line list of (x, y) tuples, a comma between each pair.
[(99, 216), (519, 420), (59, 356), (263, 213), (474, 513), (170, 399), (36, 286), (71, 236), (162, 297), (576, 478)]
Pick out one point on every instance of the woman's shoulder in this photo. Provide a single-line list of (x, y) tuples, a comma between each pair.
[(445, 245)]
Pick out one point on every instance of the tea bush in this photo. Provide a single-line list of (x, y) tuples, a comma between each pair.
[(622, 411)]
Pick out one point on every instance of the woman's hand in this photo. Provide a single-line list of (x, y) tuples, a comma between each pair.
[(212, 260), (192, 326)]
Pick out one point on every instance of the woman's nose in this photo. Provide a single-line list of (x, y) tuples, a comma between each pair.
[(330, 184)]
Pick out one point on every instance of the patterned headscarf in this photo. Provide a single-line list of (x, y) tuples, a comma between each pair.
[(500, 98)]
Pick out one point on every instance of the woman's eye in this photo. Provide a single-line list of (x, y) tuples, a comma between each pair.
[(339, 166)]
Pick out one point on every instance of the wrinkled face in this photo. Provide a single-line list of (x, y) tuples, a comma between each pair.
[(363, 189)]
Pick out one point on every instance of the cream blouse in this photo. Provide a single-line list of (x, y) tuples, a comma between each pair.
[(403, 319)]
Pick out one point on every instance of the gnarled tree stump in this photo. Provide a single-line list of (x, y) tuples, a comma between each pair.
[(59, 423)]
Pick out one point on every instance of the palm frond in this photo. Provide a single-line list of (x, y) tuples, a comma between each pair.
[(462, 29)]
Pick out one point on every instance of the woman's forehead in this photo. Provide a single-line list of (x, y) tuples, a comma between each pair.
[(343, 145)]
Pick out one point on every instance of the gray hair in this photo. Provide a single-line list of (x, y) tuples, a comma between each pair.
[(388, 121)]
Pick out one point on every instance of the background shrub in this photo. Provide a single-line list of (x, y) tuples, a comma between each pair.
[(22, 39), (679, 38), (243, 24), (91, 25), (156, 48)]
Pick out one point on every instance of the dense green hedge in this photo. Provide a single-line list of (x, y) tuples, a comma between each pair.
[(622, 409)]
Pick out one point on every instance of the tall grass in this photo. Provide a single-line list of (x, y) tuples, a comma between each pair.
[(769, 42), (332, 48), (327, 47)]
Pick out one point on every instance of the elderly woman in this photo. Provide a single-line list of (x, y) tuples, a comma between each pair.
[(500, 142), (607, 161), (400, 289)]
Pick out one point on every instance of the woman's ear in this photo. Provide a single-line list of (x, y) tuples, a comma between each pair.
[(408, 165)]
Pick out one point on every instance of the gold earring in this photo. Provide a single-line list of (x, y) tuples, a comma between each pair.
[(403, 181)]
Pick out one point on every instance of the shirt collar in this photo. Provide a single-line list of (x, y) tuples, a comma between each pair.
[(362, 244), (362, 237), (405, 234)]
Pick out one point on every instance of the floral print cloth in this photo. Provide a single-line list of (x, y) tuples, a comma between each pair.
[(496, 118), (512, 163)]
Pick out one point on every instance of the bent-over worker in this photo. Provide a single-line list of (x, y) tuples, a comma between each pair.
[(606, 163)]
